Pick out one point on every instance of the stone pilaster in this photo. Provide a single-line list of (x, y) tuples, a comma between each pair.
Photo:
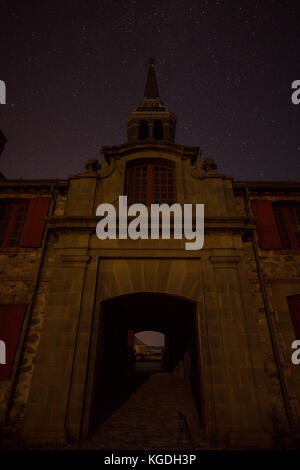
[(50, 390)]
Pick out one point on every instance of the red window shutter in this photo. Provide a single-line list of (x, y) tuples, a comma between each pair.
[(287, 216), (34, 224), (294, 307), (11, 320), (266, 227)]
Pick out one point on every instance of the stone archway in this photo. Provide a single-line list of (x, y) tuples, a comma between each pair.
[(114, 380), (176, 278)]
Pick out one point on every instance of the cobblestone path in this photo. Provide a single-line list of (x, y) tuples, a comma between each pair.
[(161, 414)]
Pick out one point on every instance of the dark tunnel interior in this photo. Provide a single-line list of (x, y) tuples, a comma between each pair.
[(115, 376)]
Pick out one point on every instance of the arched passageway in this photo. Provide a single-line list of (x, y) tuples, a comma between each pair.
[(115, 374)]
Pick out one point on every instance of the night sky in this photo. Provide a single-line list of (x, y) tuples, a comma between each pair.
[(75, 69)]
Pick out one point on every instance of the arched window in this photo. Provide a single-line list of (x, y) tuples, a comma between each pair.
[(143, 130), (150, 182), (287, 216), (158, 131)]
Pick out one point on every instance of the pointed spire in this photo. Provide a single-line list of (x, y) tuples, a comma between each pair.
[(151, 88), (151, 115)]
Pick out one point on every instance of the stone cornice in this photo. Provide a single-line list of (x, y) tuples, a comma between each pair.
[(237, 224), (267, 186), (74, 261), (33, 184), (223, 261), (119, 151)]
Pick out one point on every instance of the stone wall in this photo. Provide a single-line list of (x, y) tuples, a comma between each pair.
[(281, 274), (241, 386), (18, 280), (88, 270)]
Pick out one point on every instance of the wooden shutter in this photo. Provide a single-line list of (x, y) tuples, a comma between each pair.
[(34, 224), (11, 320), (294, 307), (287, 217), (266, 227)]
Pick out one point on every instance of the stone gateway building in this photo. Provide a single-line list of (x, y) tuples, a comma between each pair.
[(229, 312)]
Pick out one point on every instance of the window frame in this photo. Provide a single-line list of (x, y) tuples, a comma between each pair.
[(162, 165), (16, 203), (293, 302), (285, 225)]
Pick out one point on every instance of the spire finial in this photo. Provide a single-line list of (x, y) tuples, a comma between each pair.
[(151, 88)]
